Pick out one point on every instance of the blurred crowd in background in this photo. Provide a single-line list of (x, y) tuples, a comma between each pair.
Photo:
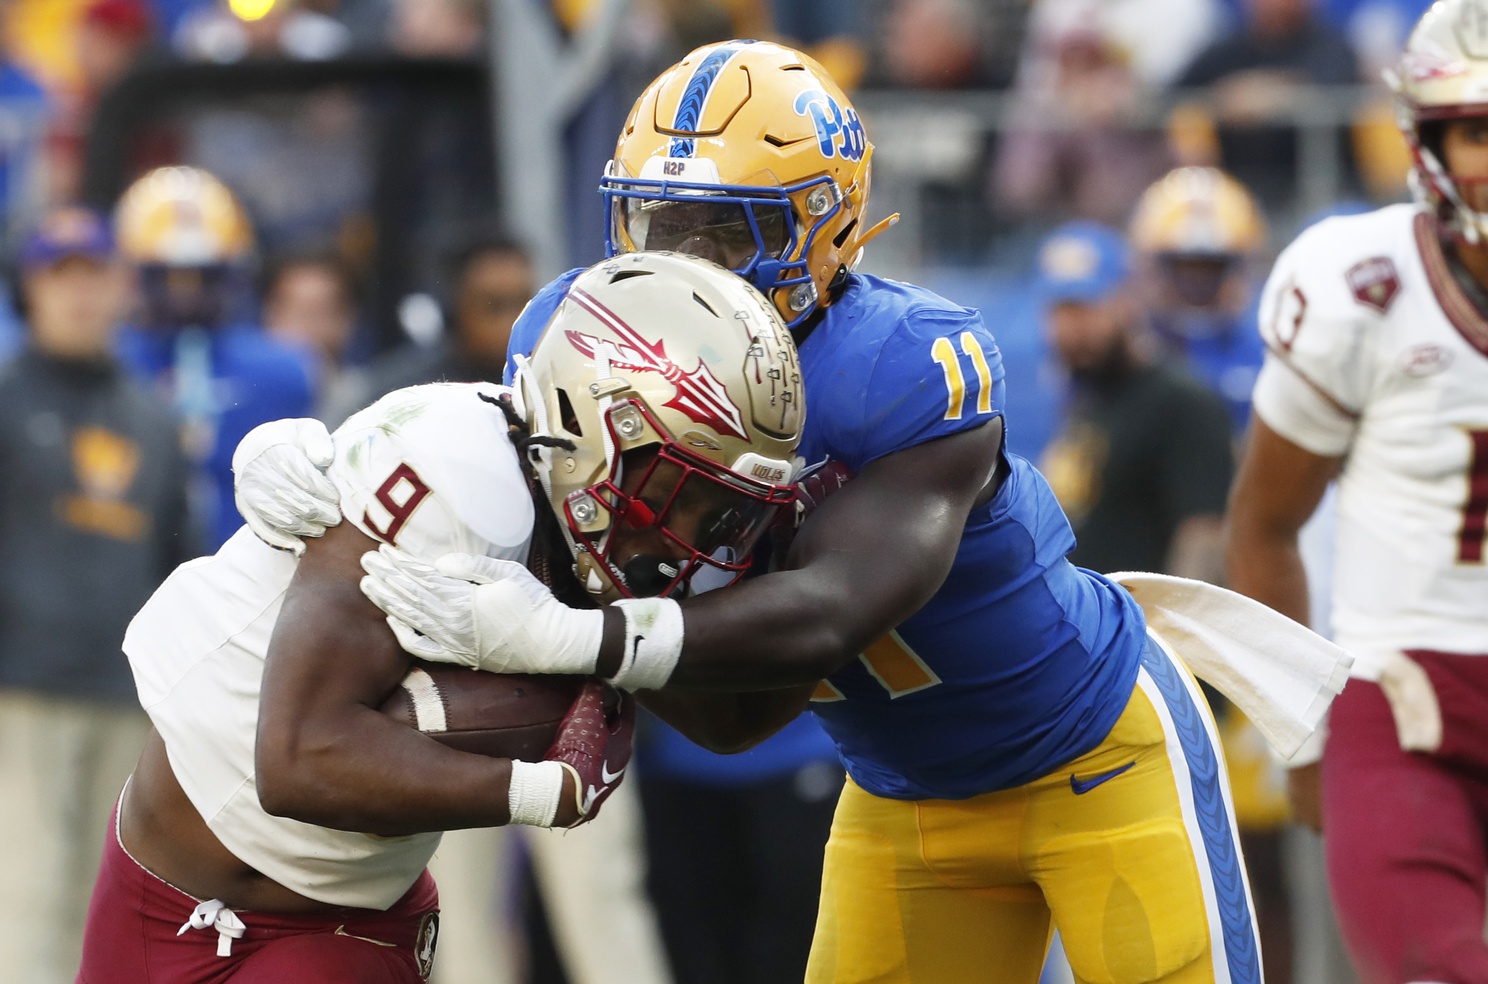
[(318, 211)]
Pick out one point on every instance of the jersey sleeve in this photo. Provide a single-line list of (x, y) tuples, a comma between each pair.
[(937, 373), (430, 470), (1318, 371), (528, 327)]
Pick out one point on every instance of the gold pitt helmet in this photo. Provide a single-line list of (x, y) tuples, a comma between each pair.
[(182, 217), (748, 154), (1197, 211), (1196, 233), (669, 395), (1441, 76)]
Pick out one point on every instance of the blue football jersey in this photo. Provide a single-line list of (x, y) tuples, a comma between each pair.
[(1021, 661), (222, 383), (1228, 363)]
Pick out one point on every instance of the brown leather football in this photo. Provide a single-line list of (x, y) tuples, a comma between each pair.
[(502, 715)]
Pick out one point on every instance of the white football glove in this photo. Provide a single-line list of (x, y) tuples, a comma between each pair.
[(480, 612), (279, 482)]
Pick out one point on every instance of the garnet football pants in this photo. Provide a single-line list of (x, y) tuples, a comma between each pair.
[(1404, 831), (1131, 849), (133, 922)]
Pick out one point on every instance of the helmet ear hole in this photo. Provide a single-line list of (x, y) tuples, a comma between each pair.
[(706, 306), (627, 274), (841, 237), (569, 419)]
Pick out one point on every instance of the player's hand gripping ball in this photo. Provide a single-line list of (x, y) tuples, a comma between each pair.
[(581, 723), (594, 744)]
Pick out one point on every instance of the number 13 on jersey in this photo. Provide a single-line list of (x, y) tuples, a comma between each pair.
[(943, 351)]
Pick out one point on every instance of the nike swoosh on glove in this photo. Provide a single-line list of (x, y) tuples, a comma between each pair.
[(594, 744), (279, 483), (480, 612)]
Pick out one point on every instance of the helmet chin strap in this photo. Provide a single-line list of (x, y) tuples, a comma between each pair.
[(1471, 224)]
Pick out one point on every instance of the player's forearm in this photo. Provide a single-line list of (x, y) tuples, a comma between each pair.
[(373, 775), (726, 723), (870, 557), (1265, 563), (786, 629), (792, 628), (771, 633)]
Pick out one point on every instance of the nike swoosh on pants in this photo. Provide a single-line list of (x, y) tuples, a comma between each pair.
[(1083, 786)]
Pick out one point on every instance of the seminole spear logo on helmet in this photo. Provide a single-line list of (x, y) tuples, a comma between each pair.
[(699, 393)]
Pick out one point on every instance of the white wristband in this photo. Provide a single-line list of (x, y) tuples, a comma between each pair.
[(653, 643), (532, 798)]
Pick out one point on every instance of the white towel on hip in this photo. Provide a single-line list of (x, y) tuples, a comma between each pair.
[(1282, 675)]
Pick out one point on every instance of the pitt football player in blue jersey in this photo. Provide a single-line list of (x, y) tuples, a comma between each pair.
[(1023, 753)]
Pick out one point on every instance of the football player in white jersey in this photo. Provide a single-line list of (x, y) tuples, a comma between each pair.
[(278, 825), (1377, 374)]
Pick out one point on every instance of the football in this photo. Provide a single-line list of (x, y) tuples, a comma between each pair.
[(497, 714)]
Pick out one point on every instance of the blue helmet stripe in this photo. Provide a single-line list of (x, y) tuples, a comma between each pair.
[(690, 109)]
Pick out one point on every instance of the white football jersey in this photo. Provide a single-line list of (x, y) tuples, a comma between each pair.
[(1375, 353), (430, 469)]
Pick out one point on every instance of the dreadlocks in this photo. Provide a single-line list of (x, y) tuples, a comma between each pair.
[(549, 558)]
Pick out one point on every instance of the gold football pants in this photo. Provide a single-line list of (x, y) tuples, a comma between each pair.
[(1130, 850)]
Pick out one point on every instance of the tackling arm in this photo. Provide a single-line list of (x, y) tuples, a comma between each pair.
[(870, 557), (324, 753), (727, 723)]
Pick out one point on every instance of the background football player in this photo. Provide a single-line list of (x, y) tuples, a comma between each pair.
[(273, 786), (992, 783), (1377, 331), (191, 243), (1197, 235)]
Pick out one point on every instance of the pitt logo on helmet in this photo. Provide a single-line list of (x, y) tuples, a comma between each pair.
[(830, 122)]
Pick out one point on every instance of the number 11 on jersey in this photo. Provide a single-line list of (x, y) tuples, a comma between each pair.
[(944, 352)]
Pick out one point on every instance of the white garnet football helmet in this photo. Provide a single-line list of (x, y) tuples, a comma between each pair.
[(665, 397), (1443, 75)]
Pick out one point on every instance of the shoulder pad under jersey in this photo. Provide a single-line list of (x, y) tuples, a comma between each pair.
[(431, 470)]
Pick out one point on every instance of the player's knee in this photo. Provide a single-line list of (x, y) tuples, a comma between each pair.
[(1136, 943)]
